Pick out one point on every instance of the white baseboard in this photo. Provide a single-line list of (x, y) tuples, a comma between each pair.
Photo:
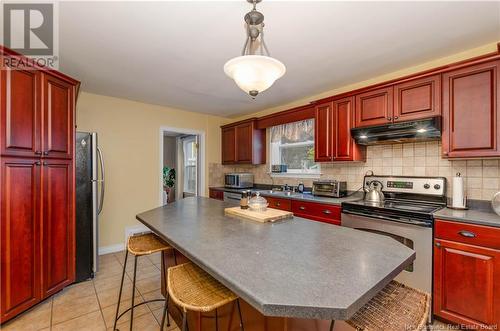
[(111, 249)]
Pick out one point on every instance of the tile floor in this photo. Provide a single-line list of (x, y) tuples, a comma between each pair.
[(91, 305)]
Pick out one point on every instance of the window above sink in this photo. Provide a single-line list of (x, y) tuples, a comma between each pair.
[(292, 144)]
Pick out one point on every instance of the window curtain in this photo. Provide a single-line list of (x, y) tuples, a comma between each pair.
[(293, 132)]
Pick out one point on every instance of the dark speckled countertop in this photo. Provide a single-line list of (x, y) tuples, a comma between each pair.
[(292, 268), (479, 212)]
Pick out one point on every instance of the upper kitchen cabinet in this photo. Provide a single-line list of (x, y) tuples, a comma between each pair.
[(20, 112), (333, 141), (417, 99), (37, 111), (243, 143), (471, 118), (58, 112), (374, 107), (323, 132)]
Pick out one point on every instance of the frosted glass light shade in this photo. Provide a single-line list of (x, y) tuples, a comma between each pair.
[(254, 73)]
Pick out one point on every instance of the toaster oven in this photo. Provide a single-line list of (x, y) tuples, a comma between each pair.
[(238, 180), (329, 188)]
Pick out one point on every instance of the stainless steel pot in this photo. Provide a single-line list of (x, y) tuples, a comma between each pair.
[(374, 192)]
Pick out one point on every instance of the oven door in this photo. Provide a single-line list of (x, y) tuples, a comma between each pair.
[(419, 238)]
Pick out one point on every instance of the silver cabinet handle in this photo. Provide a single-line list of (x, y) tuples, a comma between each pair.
[(389, 118), (302, 208), (396, 117), (438, 244), (467, 234), (327, 212)]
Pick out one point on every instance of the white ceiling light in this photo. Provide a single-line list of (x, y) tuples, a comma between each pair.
[(252, 72)]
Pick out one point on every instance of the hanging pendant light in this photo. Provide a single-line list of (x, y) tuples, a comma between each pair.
[(254, 73)]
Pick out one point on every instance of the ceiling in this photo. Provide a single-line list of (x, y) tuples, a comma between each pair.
[(172, 53)]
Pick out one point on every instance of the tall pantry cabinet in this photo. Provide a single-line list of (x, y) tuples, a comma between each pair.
[(37, 184)]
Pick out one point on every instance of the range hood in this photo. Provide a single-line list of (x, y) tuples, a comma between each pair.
[(418, 130)]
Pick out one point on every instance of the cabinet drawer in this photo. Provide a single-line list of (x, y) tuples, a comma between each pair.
[(277, 203), (216, 194), (477, 235), (317, 211)]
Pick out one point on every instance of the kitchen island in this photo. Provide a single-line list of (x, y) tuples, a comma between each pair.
[(295, 270)]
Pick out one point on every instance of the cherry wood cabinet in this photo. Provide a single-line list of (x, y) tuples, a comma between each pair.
[(278, 203), (216, 194), (58, 225), (323, 132), (332, 132), (20, 112), (243, 143), (58, 112), (417, 99), (467, 274), (374, 107), (20, 235), (228, 145), (471, 118), (317, 211), (36, 183)]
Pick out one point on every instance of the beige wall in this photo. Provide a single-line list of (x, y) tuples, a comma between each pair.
[(485, 49), (129, 135)]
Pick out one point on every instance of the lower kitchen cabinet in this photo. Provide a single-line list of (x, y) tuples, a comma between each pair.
[(317, 211), (20, 236), (37, 231), (277, 203), (467, 274), (215, 194)]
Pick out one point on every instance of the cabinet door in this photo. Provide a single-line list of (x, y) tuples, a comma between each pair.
[(58, 225), (244, 143), (471, 120), (344, 147), (20, 112), (323, 132), (58, 115), (228, 145), (466, 283), (374, 107), (20, 236), (417, 99)]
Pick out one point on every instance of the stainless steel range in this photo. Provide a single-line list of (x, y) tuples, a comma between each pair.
[(405, 215)]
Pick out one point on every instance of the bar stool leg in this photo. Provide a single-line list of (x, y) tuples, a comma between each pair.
[(165, 312), (184, 321), (332, 324), (121, 288), (242, 328), (133, 293), (216, 320)]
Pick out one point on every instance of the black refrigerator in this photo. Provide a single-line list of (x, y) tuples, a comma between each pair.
[(89, 202)]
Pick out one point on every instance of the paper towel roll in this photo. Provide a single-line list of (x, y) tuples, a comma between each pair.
[(458, 198)]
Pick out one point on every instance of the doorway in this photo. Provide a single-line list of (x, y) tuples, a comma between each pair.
[(181, 158)]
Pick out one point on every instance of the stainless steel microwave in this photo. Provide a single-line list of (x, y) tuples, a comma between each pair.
[(238, 180)]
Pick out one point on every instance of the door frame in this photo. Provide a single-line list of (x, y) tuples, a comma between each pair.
[(201, 148)]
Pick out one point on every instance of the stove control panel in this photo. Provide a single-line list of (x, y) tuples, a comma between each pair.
[(415, 185)]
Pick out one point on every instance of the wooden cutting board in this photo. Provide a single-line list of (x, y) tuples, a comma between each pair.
[(270, 215)]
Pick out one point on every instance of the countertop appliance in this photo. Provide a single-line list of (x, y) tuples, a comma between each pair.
[(89, 201), (238, 180), (406, 216), (418, 130), (329, 188), (232, 197)]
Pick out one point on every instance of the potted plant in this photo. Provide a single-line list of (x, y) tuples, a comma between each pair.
[(169, 182)]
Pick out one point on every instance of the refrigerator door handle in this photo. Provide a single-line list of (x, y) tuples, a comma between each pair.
[(101, 195)]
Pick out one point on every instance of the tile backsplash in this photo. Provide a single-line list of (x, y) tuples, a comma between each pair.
[(482, 176)]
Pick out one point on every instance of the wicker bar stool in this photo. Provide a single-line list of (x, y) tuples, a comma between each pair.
[(191, 288), (396, 307), (140, 245)]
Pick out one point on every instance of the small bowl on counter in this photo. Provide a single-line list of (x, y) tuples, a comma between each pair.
[(258, 203)]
